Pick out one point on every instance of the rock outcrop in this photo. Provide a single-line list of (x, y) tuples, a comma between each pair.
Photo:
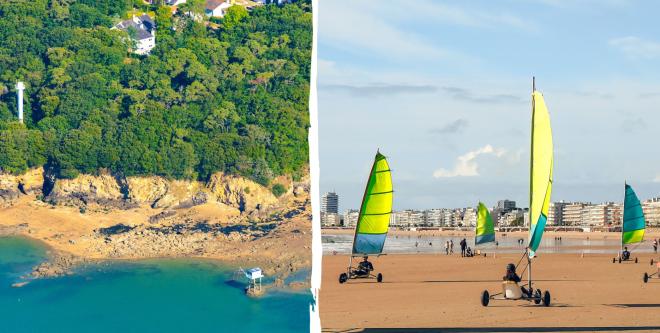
[(11, 186), (87, 189), (241, 193), (112, 191)]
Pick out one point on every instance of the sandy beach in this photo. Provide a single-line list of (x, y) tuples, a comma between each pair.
[(279, 244), (439, 291)]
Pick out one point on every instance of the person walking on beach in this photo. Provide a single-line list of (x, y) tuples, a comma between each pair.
[(447, 247), (451, 246), (463, 247), (655, 246)]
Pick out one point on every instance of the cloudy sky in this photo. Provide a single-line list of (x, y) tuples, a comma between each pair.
[(443, 89)]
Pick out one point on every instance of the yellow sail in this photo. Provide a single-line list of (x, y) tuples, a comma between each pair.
[(540, 171)]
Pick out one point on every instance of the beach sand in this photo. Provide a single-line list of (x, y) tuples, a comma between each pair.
[(439, 291), (72, 236)]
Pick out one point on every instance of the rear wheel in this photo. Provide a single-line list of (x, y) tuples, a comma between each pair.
[(651, 262), (613, 260), (619, 260), (635, 259), (343, 277), (646, 277), (485, 298), (379, 277), (537, 296), (546, 298)]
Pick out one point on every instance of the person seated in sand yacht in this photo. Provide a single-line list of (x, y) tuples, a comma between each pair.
[(365, 267), (468, 252), (512, 276), (625, 255)]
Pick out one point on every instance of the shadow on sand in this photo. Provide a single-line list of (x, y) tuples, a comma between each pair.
[(498, 329), (635, 305), (495, 281)]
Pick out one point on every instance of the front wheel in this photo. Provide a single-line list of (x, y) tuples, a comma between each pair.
[(546, 298), (646, 277), (379, 277), (537, 296), (635, 259), (485, 298), (619, 260), (651, 262), (343, 277), (613, 260)]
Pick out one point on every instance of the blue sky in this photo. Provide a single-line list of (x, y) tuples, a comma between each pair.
[(443, 89)]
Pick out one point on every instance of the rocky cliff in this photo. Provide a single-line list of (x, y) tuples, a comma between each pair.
[(11, 186), (111, 191)]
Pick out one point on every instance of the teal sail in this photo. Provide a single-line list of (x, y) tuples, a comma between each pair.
[(633, 218)]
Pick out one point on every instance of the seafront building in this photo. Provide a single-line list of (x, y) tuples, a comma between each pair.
[(330, 203), (506, 205), (331, 220), (351, 218), (560, 214), (651, 210), (555, 213)]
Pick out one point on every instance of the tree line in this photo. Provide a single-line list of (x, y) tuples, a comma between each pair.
[(224, 95)]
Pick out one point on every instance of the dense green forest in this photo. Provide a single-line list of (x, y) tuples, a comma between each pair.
[(228, 95)]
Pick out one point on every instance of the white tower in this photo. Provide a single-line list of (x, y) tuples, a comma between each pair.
[(19, 88)]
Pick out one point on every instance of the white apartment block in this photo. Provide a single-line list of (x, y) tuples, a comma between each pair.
[(330, 219)]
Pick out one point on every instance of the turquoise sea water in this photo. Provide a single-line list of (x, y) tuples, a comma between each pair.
[(144, 296)]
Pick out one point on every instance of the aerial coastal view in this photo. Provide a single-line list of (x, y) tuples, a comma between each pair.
[(154, 164), (489, 167)]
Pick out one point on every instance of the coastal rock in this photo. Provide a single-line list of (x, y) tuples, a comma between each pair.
[(84, 189), (241, 193), (146, 190), (31, 182), (178, 192), (11, 186)]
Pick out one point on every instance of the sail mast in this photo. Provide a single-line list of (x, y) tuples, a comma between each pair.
[(531, 188), (623, 210)]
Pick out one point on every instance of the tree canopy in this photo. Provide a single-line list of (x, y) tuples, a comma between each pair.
[(229, 97)]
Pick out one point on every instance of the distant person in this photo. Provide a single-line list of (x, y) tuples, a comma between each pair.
[(468, 252), (655, 246), (463, 247), (451, 246), (625, 255), (447, 247)]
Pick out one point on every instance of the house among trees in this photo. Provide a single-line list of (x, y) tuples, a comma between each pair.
[(142, 30), (174, 2), (217, 8)]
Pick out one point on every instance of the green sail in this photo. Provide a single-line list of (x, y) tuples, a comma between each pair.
[(541, 161), (633, 218), (374, 219), (485, 231)]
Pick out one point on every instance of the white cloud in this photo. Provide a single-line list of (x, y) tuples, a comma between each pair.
[(636, 48), (356, 26), (469, 17), (466, 164)]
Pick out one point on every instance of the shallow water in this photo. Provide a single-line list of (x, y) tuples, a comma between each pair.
[(436, 244), (143, 296)]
